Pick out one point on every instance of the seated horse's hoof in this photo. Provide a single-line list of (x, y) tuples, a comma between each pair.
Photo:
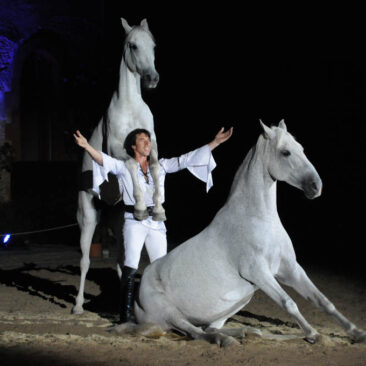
[(225, 341), (159, 216), (140, 214), (358, 335)]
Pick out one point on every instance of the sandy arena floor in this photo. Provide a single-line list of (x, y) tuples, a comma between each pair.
[(38, 285)]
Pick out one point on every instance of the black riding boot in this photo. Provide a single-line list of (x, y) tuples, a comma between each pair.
[(127, 292)]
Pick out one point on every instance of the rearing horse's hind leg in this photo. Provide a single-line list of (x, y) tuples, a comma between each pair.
[(87, 219), (115, 221)]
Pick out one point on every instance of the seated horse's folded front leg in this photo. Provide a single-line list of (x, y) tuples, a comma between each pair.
[(140, 209), (158, 211)]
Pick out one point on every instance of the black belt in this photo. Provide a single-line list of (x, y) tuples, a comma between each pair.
[(131, 209)]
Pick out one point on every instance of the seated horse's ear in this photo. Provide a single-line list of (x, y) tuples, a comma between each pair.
[(125, 25), (268, 132), (282, 125), (144, 24)]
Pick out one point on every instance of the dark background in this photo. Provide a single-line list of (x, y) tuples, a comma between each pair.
[(230, 68), (226, 66)]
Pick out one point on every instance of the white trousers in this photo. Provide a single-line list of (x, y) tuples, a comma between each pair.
[(135, 234)]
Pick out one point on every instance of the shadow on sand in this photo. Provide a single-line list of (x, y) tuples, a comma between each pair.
[(105, 304)]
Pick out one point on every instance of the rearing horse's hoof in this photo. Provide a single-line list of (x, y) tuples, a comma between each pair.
[(140, 214), (312, 338), (159, 216), (77, 310)]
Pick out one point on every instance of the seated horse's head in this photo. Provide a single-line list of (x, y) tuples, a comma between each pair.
[(286, 161)]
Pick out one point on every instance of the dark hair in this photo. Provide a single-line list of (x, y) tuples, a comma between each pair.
[(130, 140)]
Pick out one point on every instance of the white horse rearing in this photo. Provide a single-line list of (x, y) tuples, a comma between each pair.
[(201, 283), (126, 112)]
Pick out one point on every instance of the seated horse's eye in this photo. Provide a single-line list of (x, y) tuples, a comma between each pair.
[(285, 153)]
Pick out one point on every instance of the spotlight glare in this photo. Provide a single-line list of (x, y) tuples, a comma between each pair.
[(6, 238)]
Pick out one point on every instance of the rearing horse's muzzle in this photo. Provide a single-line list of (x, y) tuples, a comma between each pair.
[(150, 79)]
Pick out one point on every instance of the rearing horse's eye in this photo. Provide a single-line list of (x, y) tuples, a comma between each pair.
[(285, 153), (132, 46)]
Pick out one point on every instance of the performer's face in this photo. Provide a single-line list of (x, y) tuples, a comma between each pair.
[(143, 145)]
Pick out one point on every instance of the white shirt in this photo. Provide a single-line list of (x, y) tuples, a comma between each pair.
[(199, 162)]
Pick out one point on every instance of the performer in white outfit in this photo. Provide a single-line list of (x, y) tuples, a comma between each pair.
[(199, 162)]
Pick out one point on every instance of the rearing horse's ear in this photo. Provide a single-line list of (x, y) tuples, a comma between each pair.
[(282, 125), (144, 24), (125, 25), (268, 133)]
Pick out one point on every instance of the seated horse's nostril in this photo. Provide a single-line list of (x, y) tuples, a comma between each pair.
[(314, 186)]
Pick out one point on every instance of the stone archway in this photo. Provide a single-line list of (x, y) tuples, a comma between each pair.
[(38, 105), (40, 92)]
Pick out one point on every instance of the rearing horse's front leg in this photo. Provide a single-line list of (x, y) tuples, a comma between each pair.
[(158, 211), (140, 210)]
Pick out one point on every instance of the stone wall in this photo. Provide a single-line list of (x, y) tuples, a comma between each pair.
[(78, 23), (5, 185), (24, 25)]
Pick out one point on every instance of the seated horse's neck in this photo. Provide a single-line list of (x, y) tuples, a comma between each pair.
[(253, 190)]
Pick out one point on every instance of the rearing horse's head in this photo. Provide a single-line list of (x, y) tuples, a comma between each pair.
[(139, 52), (287, 162)]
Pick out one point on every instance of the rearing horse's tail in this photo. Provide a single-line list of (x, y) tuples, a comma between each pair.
[(105, 123), (99, 140)]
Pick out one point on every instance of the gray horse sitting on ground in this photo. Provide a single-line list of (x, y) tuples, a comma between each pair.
[(196, 287)]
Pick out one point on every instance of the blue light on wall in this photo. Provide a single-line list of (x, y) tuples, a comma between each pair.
[(6, 238)]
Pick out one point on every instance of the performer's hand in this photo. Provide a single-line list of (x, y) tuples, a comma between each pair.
[(220, 138), (223, 136), (80, 139), (83, 142)]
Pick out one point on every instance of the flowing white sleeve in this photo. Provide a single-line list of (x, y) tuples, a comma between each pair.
[(199, 162), (110, 165)]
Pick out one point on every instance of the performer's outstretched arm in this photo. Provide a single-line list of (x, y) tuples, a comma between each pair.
[(220, 138), (199, 162), (83, 142)]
